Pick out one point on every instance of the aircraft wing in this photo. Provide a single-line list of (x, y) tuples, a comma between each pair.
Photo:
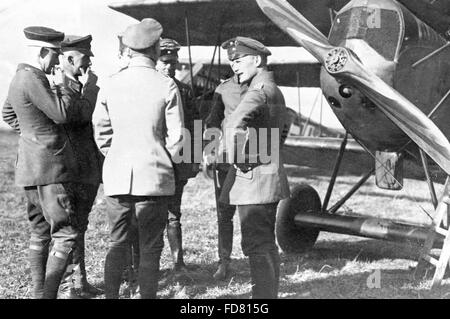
[(280, 55), (230, 17), (319, 155)]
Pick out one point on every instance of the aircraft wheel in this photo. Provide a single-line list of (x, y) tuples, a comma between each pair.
[(293, 239)]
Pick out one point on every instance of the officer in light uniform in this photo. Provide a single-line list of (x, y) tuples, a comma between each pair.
[(138, 127), (254, 184), (46, 164), (167, 63)]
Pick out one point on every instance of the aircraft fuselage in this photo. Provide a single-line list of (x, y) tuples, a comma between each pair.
[(388, 39)]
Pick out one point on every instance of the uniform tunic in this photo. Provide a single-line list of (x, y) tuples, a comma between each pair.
[(81, 135), (225, 100), (263, 106), (138, 128), (47, 165), (184, 170), (46, 153)]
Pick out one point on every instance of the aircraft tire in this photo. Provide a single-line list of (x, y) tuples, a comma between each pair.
[(293, 239)]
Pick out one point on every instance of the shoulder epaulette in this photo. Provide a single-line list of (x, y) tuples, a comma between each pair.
[(74, 86), (28, 69), (120, 70)]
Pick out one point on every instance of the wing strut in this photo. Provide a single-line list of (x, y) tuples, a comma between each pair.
[(188, 42), (216, 48)]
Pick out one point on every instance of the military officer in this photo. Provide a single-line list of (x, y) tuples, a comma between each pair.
[(131, 269), (225, 100), (256, 184), (138, 141), (46, 164), (167, 63), (75, 63)]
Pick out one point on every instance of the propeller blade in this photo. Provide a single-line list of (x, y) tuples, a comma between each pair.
[(297, 26), (399, 109), (341, 62)]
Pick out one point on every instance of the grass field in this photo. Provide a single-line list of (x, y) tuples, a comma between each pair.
[(338, 267)]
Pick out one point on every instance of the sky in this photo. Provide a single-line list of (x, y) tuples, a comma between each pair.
[(82, 17)]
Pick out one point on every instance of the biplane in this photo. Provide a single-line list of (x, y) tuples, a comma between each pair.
[(384, 70)]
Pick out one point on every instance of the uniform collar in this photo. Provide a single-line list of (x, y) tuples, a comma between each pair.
[(235, 80), (263, 76), (141, 61), (74, 84)]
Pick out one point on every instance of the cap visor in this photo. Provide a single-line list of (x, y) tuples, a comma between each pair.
[(166, 58), (87, 52), (81, 50), (236, 56), (43, 44)]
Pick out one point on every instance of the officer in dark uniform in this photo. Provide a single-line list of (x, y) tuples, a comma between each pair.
[(225, 100), (76, 62), (256, 184), (167, 63), (46, 164)]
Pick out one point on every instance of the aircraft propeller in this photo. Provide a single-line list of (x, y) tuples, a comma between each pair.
[(342, 62)]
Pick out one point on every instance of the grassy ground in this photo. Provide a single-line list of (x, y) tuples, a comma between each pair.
[(338, 267)]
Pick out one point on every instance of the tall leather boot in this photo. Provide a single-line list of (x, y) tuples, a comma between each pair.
[(149, 275), (225, 240), (116, 260), (262, 271), (72, 277), (174, 237), (222, 271), (276, 260), (37, 258), (80, 276), (56, 267), (67, 286)]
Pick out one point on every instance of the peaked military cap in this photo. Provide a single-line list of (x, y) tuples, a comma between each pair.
[(241, 46), (43, 37), (169, 49), (77, 43), (143, 34)]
